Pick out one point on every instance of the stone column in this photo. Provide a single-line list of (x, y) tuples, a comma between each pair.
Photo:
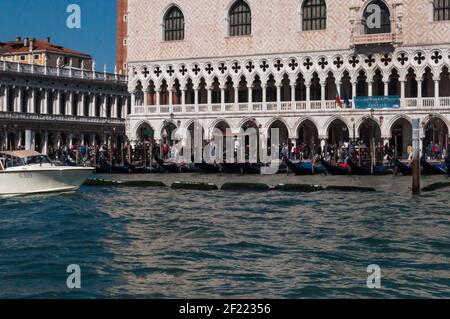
[(158, 97), (386, 88), (419, 89), (14, 98), (104, 100), (183, 96), (250, 94), (209, 99), (354, 89), (323, 90), (236, 94), (170, 94), (125, 107), (264, 93), (19, 141), (68, 103), (133, 100), (308, 95), (403, 89), (83, 101), (45, 143), (278, 94), (56, 108), (196, 96), (293, 86), (58, 139), (29, 140), (5, 99), (19, 99), (45, 108), (70, 140), (92, 141), (115, 112), (92, 105), (370, 88), (222, 96), (436, 91)]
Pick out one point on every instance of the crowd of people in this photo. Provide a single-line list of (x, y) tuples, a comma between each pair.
[(81, 154), (145, 153)]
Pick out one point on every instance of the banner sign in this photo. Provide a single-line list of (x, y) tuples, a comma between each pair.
[(377, 102)]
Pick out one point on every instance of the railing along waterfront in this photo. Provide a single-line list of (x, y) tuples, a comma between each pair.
[(7, 66), (15, 116), (328, 105)]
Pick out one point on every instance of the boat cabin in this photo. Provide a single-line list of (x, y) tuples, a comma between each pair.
[(21, 158)]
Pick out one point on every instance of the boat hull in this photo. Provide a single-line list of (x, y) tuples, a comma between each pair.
[(404, 169), (305, 168), (57, 179), (432, 169), (335, 170), (367, 171)]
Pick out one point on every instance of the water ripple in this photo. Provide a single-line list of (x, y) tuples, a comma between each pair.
[(161, 243)]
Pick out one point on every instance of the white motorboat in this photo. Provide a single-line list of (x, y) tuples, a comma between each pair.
[(29, 172)]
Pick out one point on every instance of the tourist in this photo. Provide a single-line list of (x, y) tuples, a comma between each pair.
[(293, 152)]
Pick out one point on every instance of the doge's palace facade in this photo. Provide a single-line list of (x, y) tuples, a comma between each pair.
[(319, 70)]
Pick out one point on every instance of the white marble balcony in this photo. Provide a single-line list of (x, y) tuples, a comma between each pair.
[(19, 116), (279, 107), (61, 72)]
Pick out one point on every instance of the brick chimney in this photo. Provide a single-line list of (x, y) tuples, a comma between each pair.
[(47, 39), (18, 39), (25, 42)]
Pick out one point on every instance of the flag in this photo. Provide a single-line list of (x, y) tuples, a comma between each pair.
[(338, 97)]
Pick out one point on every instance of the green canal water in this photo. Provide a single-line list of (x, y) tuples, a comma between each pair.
[(163, 243)]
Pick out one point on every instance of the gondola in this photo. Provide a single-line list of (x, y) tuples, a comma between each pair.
[(155, 169), (183, 168), (232, 168), (403, 168), (106, 168), (171, 168), (209, 168), (335, 169), (305, 168), (366, 170), (251, 168), (432, 169), (190, 168)]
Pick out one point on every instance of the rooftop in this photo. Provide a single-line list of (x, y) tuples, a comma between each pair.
[(22, 46)]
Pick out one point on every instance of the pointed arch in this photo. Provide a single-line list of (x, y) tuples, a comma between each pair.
[(173, 24), (239, 19), (314, 15)]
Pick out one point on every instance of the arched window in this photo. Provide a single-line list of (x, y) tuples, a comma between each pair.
[(377, 18), (441, 10), (240, 18), (174, 25), (314, 15)]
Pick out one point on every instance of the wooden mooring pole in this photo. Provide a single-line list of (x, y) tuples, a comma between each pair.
[(416, 157)]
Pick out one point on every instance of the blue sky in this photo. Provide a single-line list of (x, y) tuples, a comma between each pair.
[(42, 18)]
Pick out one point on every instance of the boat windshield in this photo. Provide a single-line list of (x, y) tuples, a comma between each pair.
[(14, 162), (40, 159)]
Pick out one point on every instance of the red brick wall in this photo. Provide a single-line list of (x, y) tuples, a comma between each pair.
[(122, 31)]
